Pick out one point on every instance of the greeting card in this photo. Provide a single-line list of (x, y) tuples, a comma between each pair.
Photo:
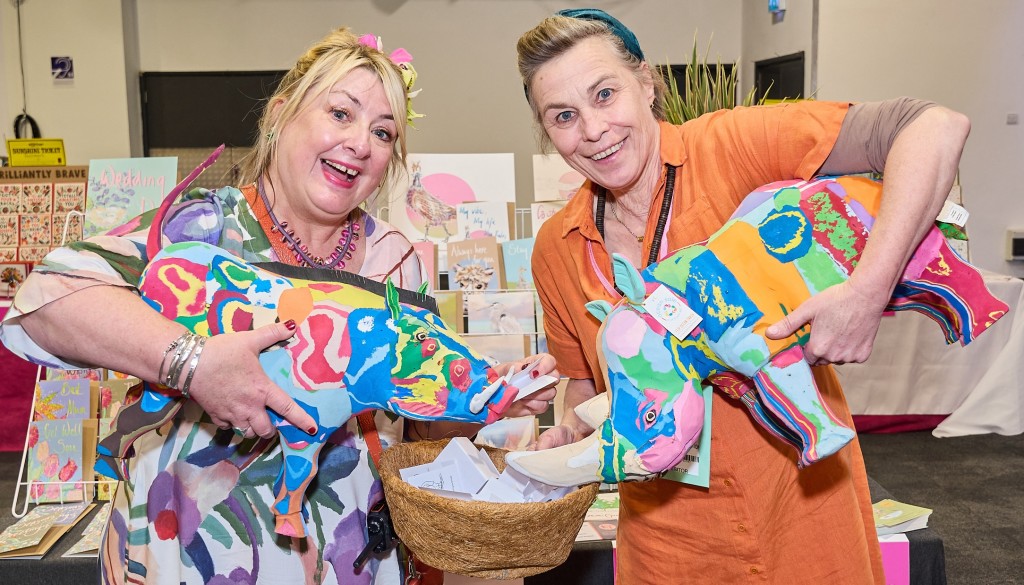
[(64, 399), (424, 208), (57, 461), (10, 198), (9, 230), (480, 219), (474, 264), (121, 188), (68, 197), (516, 256), (427, 251), (11, 276), (500, 312), (541, 212), (553, 178), (36, 198)]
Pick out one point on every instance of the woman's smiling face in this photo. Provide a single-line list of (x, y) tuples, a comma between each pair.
[(333, 154), (597, 114)]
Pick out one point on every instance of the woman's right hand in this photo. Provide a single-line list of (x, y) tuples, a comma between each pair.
[(231, 386)]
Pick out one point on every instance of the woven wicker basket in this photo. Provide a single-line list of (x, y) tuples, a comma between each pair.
[(479, 539)]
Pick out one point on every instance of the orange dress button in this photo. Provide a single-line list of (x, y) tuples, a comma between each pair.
[(728, 483), (754, 571), (741, 528)]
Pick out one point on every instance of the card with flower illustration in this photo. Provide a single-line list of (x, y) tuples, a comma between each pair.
[(92, 536), (37, 532), (33, 254), (12, 275), (9, 230), (8, 254), (68, 197), (61, 453), (121, 188), (34, 229), (116, 393), (92, 374), (36, 198), (10, 198), (64, 399), (74, 224)]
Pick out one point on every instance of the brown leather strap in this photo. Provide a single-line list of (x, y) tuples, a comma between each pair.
[(371, 436), (419, 573)]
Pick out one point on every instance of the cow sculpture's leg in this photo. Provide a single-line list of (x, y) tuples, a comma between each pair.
[(786, 388), (301, 451)]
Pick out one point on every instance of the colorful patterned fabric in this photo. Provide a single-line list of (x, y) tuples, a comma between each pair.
[(786, 241), (197, 503), (354, 350)]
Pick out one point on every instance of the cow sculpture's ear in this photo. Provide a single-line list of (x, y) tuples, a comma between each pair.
[(599, 309), (422, 289), (628, 280), (391, 298)]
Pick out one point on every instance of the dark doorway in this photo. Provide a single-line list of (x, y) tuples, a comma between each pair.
[(780, 77), (203, 109)]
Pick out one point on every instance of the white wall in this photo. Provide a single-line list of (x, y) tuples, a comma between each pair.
[(956, 54), (464, 52), (767, 37), (965, 56), (89, 112)]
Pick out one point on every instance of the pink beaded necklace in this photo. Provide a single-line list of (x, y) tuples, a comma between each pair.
[(342, 252)]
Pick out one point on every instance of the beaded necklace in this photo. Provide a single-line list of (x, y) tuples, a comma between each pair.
[(342, 252)]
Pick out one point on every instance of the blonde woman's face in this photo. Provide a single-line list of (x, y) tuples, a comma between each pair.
[(597, 114), (335, 151)]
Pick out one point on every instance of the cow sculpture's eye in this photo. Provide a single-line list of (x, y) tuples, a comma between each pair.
[(650, 416), (421, 336)]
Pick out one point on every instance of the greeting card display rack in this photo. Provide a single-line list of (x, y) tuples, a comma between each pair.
[(23, 481)]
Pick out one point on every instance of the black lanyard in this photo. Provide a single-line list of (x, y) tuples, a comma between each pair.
[(666, 206)]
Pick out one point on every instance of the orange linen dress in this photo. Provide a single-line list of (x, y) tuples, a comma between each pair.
[(762, 520)]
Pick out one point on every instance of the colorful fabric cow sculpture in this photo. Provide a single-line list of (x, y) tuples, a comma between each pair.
[(353, 350), (787, 241)]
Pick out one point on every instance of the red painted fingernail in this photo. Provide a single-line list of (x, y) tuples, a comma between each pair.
[(290, 324), (523, 367), (534, 373), (311, 430)]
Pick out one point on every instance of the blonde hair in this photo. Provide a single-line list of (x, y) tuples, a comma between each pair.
[(553, 37), (316, 71)]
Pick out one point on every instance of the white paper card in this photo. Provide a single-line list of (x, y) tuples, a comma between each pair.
[(672, 312), (954, 214)]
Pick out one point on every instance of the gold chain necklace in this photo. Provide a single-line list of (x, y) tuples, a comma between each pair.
[(615, 214)]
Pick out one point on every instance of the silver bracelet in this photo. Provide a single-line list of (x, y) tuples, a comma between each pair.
[(201, 343), (173, 345), (180, 357)]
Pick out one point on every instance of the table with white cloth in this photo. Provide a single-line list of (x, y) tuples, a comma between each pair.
[(979, 388)]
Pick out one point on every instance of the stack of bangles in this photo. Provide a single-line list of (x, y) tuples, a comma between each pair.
[(187, 349)]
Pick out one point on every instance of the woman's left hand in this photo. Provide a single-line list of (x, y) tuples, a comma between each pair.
[(539, 401), (843, 320)]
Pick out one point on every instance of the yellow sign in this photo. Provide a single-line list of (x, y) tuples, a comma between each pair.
[(36, 152)]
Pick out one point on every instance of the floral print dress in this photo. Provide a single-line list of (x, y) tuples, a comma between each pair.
[(196, 506)]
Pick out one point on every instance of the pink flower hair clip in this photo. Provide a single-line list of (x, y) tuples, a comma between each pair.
[(403, 59)]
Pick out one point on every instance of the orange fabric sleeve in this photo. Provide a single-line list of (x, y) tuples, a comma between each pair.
[(563, 343)]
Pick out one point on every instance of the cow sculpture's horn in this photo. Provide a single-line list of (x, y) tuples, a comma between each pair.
[(569, 465)]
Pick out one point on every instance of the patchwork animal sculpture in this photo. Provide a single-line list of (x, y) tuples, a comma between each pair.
[(353, 350), (787, 241)]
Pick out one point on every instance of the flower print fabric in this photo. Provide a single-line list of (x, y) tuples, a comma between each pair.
[(196, 505)]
